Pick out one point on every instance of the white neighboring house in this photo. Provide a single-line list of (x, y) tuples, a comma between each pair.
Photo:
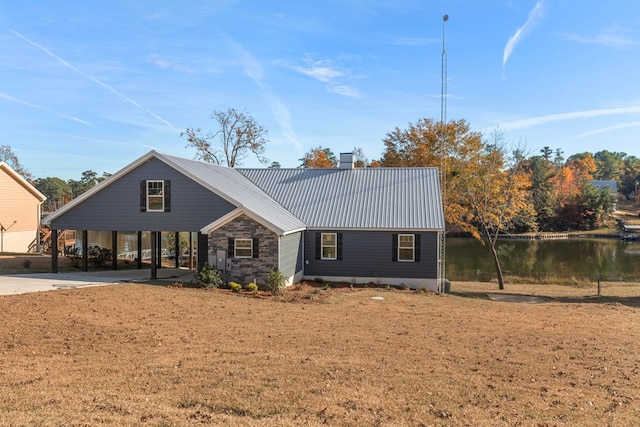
[(20, 204)]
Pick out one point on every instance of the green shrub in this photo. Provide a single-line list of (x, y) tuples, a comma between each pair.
[(235, 287), (275, 282), (208, 276), (99, 256), (252, 287)]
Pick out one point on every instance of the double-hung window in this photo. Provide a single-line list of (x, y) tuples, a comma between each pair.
[(406, 251), (243, 248), (155, 196), (329, 246), (406, 247)]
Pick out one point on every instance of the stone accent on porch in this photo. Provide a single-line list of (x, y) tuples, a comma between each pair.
[(246, 270)]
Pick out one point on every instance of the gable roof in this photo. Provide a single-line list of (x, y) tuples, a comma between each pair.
[(23, 182), (290, 200), (222, 181), (360, 198), (232, 186)]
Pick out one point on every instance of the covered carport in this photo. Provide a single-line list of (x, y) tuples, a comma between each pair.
[(148, 250), (155, 195)]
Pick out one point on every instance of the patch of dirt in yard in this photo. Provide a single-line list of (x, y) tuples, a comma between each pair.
[(134, 354)]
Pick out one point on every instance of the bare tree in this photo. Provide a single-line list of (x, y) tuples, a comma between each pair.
[(7, 155), (238, 136), (359, 158)]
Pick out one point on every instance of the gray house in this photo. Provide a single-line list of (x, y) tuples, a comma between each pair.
[(362, 225)]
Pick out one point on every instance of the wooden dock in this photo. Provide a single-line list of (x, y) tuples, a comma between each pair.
[(558, 236)]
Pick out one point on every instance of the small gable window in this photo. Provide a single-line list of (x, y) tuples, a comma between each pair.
[(155, 195), (243, 248)]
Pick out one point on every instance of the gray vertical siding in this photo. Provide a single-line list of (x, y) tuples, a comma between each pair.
[(117, 206), (369, 254), (291, 254)]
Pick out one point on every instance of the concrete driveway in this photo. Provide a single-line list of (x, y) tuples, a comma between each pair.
[(23, 283)]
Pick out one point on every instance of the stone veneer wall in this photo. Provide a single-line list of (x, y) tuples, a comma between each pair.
[(245, 270)]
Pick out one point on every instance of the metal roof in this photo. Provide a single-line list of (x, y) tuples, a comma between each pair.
[(229, 184), (288, 200), (359, 198), (225, 182)]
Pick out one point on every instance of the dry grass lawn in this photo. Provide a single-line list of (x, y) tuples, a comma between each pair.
[(133, 354)]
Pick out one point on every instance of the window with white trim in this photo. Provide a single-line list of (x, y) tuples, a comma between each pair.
[(243, 248), (406, 247), (155, 196), (329, 246)]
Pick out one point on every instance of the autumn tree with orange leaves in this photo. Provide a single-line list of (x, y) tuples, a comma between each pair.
[(483, 195), (319, 157), (571, 178)]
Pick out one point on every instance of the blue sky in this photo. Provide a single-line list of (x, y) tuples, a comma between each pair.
[(94, 85)]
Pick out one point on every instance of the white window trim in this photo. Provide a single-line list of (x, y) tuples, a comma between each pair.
[(334, 246), (413, 248), (163, 189), (235, 248)]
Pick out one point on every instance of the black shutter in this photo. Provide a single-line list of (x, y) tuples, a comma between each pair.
[(143, 196), (203, 249), (256, 246), (232, 248), (167, 195), (416, 248), (318, 245), (394, 246), (339, 246)]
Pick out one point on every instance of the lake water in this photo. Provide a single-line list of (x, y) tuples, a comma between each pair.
[(580, 258)]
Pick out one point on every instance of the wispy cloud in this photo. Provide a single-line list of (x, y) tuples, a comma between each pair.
[(167, 63), (534, 15), (609, 129), (535, 121), (251, 66), (615, 37), (39, 107), (326, 72), (254, 70), (93, 79)]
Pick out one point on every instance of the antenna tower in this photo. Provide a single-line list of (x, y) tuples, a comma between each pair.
[(443, 157)]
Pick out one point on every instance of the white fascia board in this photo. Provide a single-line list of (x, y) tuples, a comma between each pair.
[(98, 187), (20, 179), (225, 219)]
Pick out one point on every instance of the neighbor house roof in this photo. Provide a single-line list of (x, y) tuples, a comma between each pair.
[(358, 198), (23, 182), (604, 183)]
